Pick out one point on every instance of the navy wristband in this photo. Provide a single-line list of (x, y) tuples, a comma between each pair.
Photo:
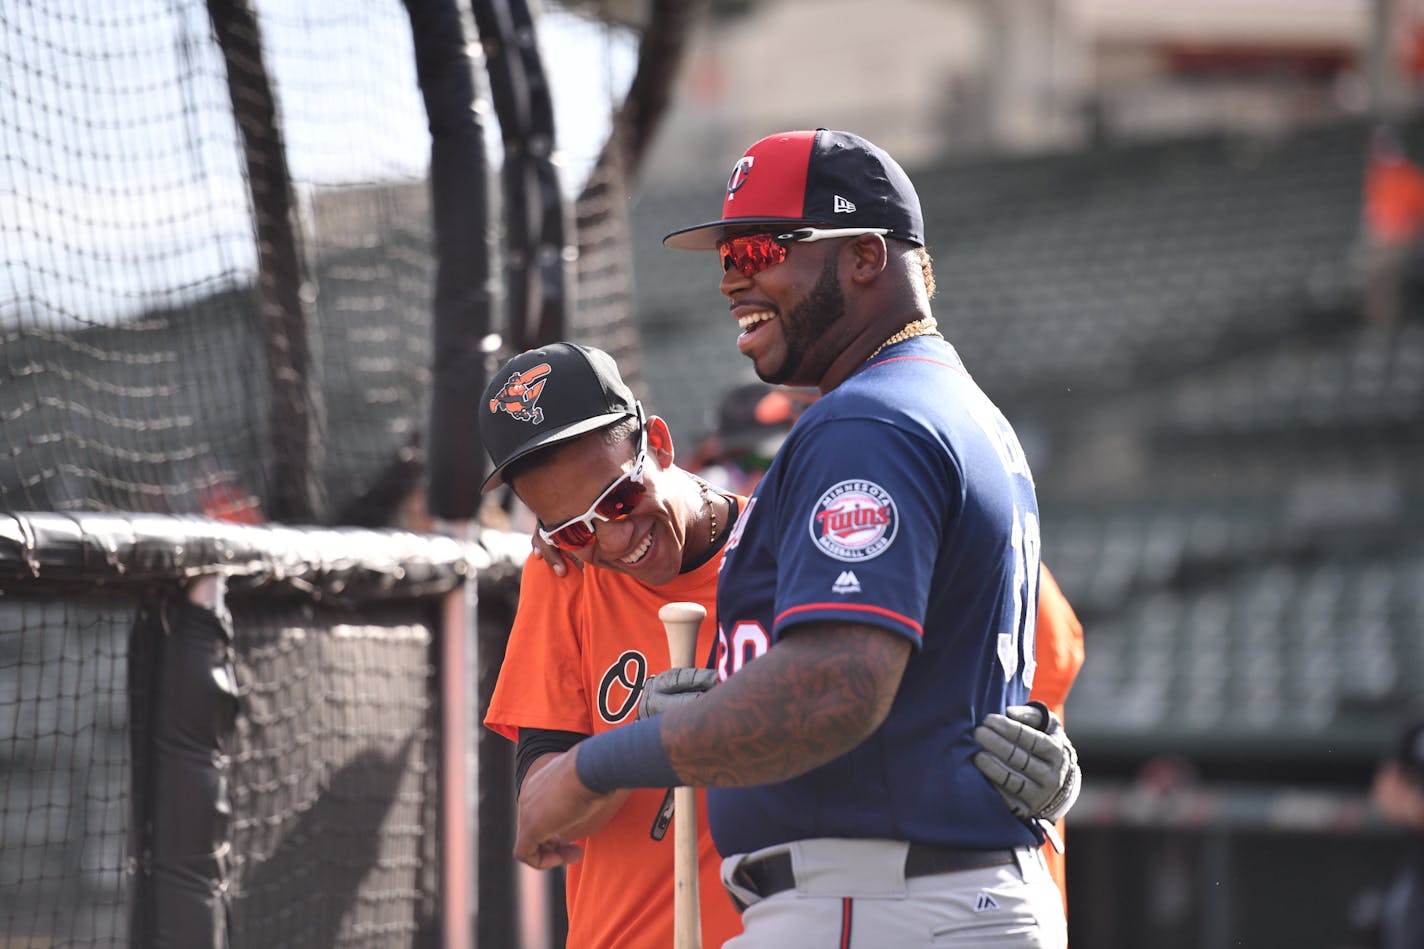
[(630, 756)]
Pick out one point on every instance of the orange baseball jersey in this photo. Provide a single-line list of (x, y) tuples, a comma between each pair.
[(1058, 650), (579, 652)]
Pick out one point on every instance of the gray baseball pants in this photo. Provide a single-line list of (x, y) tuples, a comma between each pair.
[(853, 894)]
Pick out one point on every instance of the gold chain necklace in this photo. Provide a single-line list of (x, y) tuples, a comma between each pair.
[(706, 490), (921, 327)]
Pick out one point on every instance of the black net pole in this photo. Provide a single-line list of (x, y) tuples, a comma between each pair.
[(553, 246), (292, 490), (460, 202), (660, 57), (183, 708), (538, 252), (606, 315)]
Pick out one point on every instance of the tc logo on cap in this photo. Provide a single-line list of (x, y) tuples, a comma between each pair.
[(740, 171), (519, 396)]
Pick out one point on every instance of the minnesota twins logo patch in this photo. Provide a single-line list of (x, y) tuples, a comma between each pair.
[(854, 521)]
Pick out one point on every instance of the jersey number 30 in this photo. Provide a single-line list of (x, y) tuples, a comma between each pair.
[(1025, 551)]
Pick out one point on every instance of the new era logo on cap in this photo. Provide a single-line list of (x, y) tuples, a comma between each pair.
[(809, 178)]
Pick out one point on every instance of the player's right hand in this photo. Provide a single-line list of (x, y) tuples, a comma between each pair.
[(667, 690), (552, 803), (557, 560), (1030, 761)]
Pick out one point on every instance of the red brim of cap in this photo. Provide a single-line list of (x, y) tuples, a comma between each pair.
[(707, 236)]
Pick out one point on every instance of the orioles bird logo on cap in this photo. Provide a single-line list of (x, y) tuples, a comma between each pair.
[(520, 395)]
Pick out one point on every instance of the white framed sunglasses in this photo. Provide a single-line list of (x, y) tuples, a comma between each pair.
[(615, 503)]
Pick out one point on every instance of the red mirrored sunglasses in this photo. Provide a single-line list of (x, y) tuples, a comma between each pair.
[(750, 254), (615, 503)]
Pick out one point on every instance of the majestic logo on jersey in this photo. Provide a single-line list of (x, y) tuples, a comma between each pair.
[(621, 687), (520, 395), (853, 521), (985, 901), (740, 171), (847, 582)]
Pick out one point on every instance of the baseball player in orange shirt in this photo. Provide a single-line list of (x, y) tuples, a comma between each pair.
[(1058, 649), (584, 646)]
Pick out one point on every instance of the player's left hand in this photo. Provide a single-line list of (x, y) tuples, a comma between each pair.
[(1030, 761), (552, 802), (673, 687)]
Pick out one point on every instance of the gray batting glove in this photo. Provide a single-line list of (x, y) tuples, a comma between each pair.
[(1030, 761), (667, 690)]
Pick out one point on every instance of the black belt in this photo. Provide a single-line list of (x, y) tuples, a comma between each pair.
[(772, 874)]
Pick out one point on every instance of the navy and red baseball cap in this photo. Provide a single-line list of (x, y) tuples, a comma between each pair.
[(546, 396), (820, 178)]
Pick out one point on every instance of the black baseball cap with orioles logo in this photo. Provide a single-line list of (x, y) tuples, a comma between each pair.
[(820, 178), (546, 396)]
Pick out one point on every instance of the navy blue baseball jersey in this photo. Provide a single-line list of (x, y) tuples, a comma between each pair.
[(901, 499)]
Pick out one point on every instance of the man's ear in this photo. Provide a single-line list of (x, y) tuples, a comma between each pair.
[(660, 441), (872, 256)]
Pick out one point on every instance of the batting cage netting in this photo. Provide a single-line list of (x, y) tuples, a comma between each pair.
[(256, 261), (181, 336)]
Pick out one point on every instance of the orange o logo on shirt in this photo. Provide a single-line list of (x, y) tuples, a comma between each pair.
[(622, 686)]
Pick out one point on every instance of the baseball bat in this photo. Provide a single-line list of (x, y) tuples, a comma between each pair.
[(681, 621)]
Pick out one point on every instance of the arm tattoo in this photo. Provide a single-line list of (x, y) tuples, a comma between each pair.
[(819, 692)]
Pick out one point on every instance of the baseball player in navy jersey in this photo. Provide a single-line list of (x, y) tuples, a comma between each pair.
[(876, 597)]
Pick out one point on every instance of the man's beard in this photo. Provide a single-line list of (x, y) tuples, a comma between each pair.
[(809, 322)]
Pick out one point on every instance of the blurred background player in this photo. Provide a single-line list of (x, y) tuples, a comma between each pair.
[(752, 421), (1398, 793), (1392, 222), (1058, 651)]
